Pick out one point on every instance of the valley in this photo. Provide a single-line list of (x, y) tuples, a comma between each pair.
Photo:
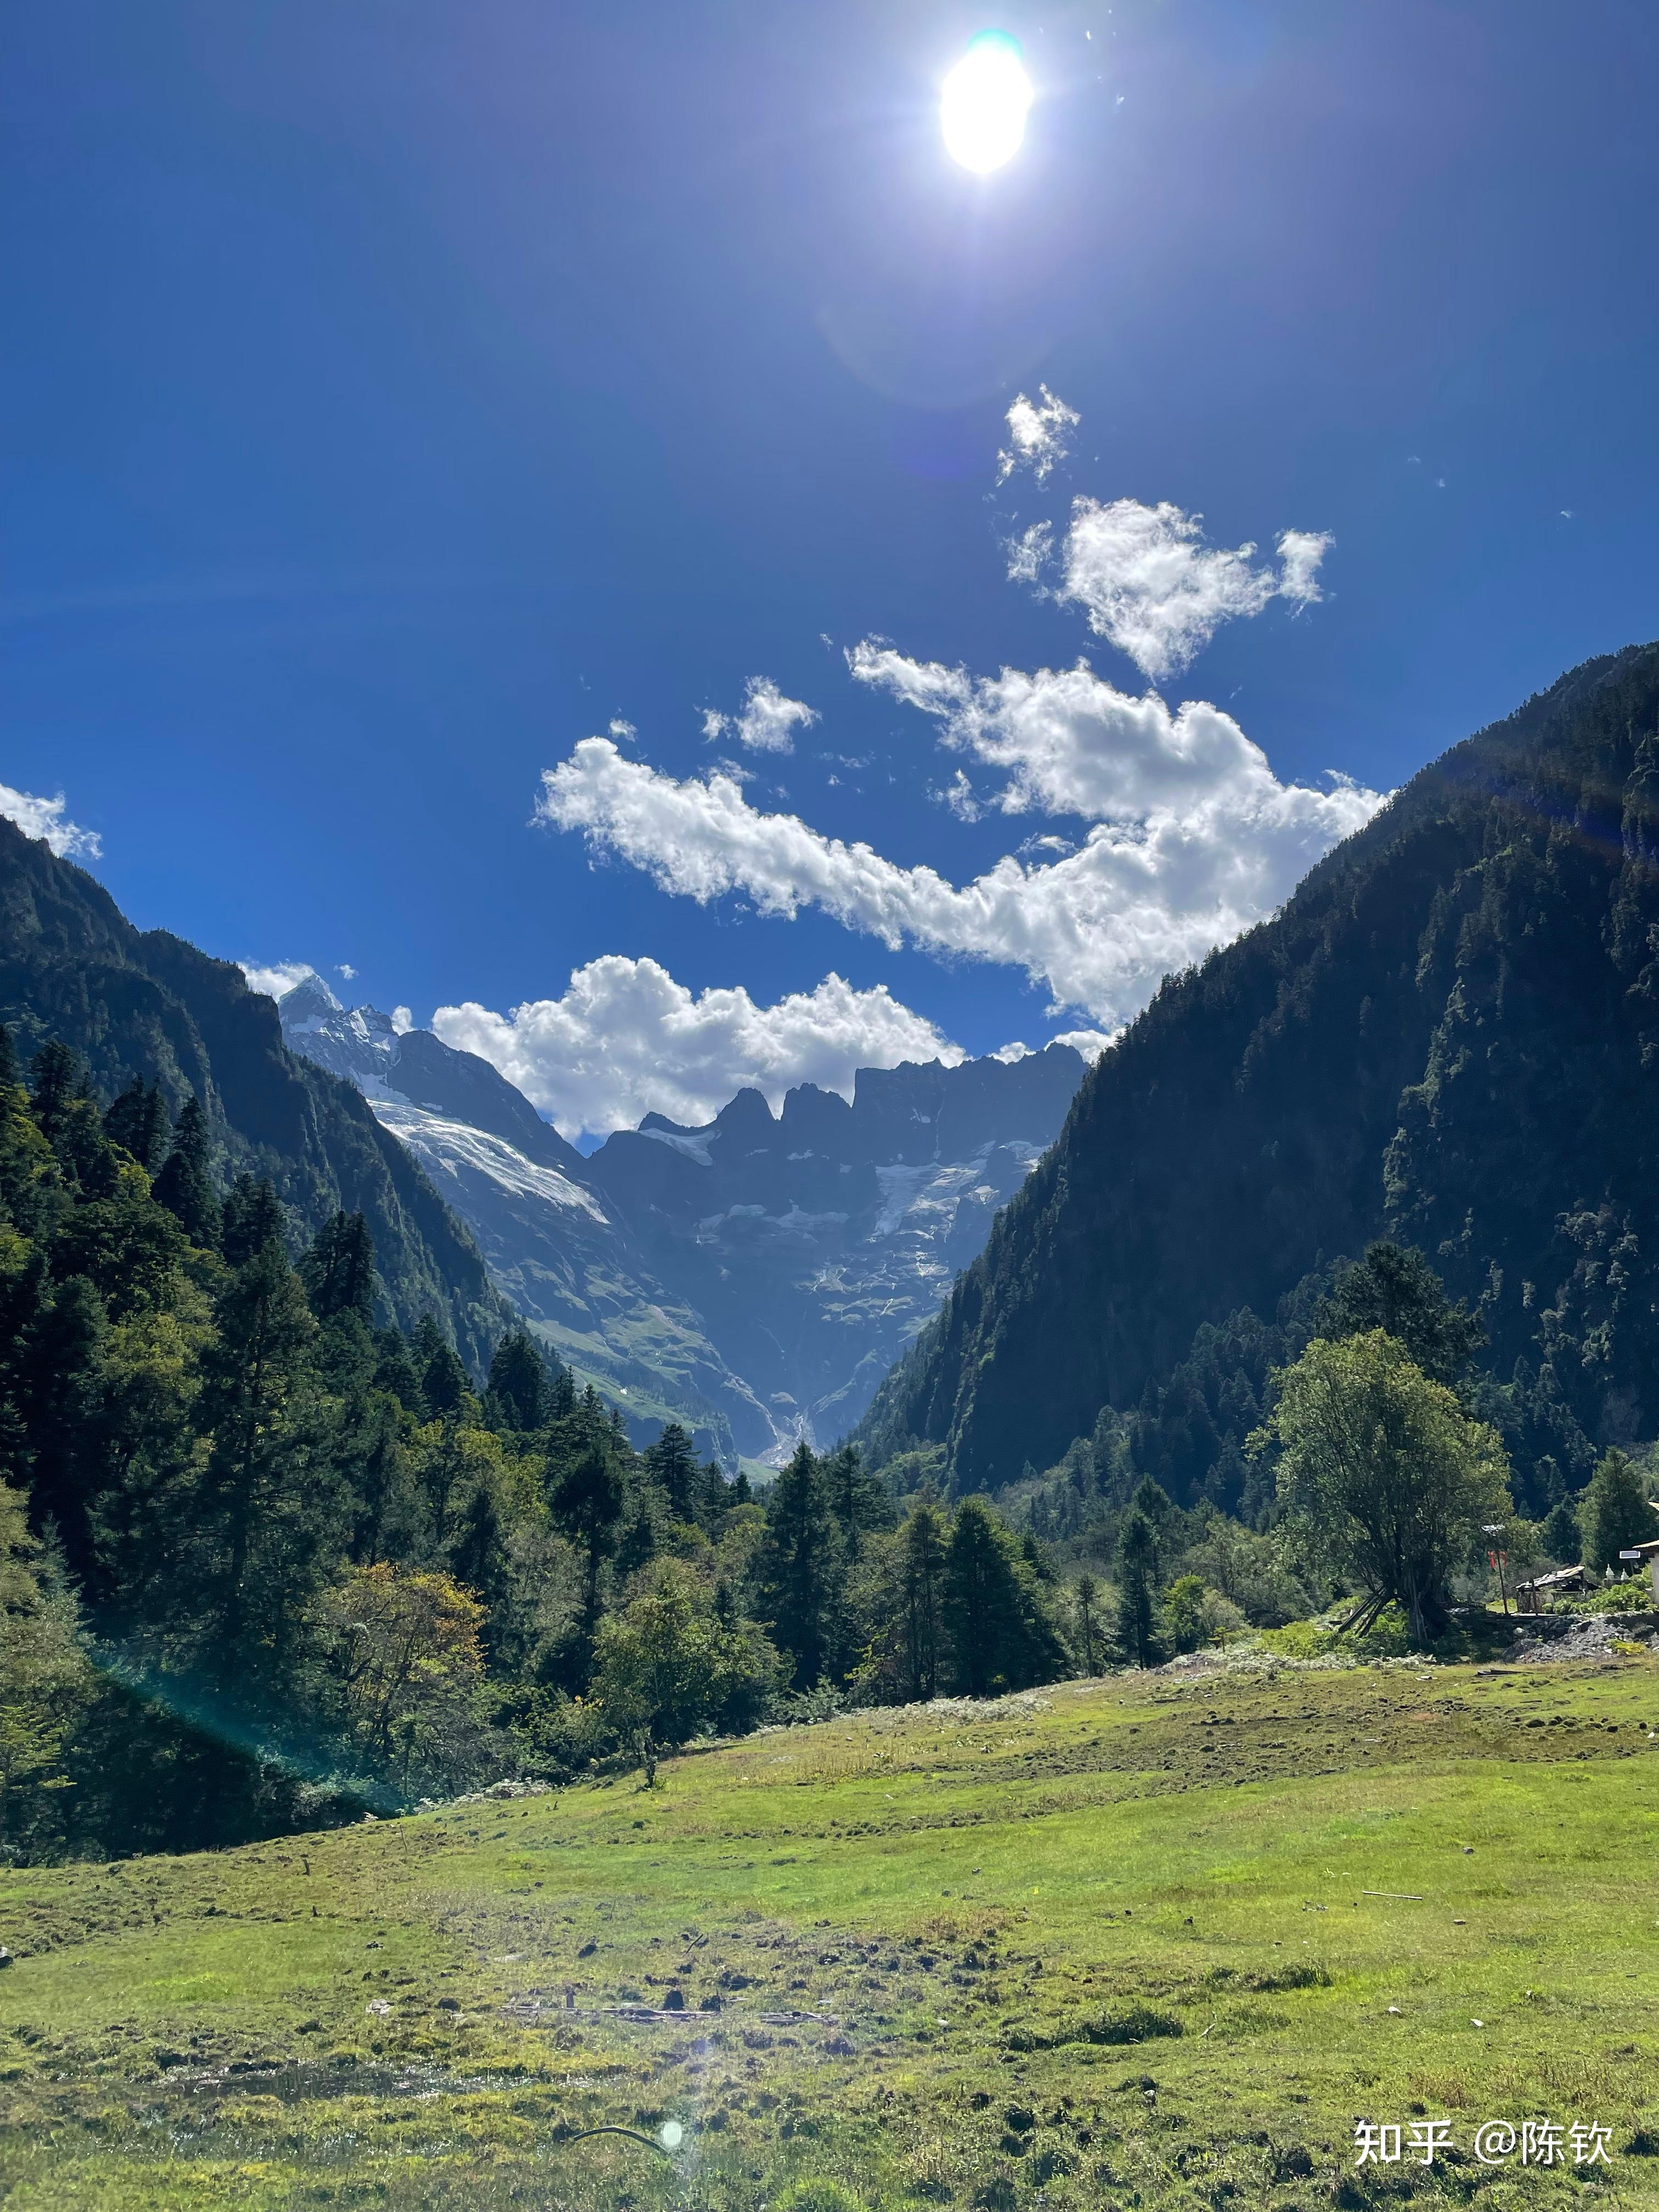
[(753, 1279)]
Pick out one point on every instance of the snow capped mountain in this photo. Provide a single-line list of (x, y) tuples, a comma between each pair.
[(756, 1278), (815, 1244)]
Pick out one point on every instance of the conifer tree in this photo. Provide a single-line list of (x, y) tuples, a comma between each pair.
[(1394, 1288), (62, 1361), (586, 1502), (999, 1635), (443, 1383), (252, 1218), (259, 1523), (672, 1464), (478, 1560), (1615, 1513), (381, 1487), (57, 1080), (184, 1186), (1137, 1577), (137, 1121), (797, 1568), (396, 1371), (338, 1271), (922, 1547), (519, 1382), (860, 1503)]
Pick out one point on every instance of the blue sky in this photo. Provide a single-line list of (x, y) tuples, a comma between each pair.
[(400, 394)]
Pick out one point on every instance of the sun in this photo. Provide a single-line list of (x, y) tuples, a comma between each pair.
[(986, 99)]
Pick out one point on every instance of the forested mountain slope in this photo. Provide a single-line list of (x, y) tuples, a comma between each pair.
[(1450, 1035), (133, 1002)]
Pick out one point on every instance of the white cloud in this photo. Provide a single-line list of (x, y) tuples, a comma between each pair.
[(402, 1020), (1073, 743), (1301, 552), (347, 971), (1039, 434), (1147, 892), (278, 978), (627, 1040), (45, 817), (1147, 580), (767, 720), (1089, 1043)]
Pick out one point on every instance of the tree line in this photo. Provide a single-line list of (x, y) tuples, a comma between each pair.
[(267, 1562)]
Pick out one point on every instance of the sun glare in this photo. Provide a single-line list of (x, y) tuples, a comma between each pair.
[(986, 99)]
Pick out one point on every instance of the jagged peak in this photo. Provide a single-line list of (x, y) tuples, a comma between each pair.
[(309, 1000)]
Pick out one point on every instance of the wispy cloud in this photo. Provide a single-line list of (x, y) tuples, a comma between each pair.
[(46, 818)]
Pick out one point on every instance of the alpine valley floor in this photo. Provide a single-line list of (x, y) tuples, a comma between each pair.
[(893, 1960)]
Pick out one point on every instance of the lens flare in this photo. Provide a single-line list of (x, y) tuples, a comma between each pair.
[(986, 100)]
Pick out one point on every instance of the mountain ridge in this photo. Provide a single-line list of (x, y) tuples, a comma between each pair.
[(754, 1276), (1449, 1034), (145, 1002)]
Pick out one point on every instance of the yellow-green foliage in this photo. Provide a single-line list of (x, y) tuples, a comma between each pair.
[(897, 1952)]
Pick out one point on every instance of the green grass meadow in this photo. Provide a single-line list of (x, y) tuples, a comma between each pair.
[(1147, 1942)]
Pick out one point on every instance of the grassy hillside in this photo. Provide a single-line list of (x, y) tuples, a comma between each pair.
[(907, 1945)]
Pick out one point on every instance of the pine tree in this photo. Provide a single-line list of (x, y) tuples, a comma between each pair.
[(1137, 1577), (10, 1071), (586, 1502), (396, 1371), (62, 1366), (385, 1508), (672, 1464), (1394, 1288), (57, 1080), (338, 1271), (444, 1382), (184, 1186), (479, 1562), (258, 1528), (922, 1547), (797, 1569), (519, 1383), (858, 1501), (1615, 1513), (997, 1634), (137, 1121), (252, 1217)]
